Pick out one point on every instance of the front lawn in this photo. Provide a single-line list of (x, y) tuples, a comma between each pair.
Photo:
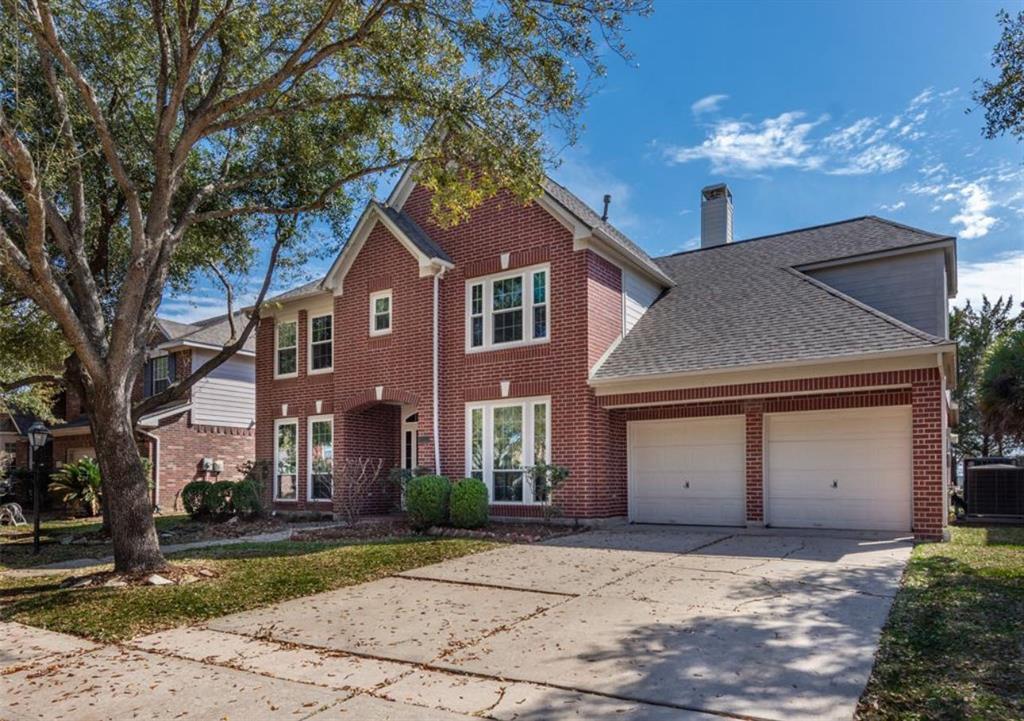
[(248, 576), (953, 647), (16, 541)]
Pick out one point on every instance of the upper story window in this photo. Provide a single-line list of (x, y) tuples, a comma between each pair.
[(508, 309), (321, 343), (161, 370), (380, 312), (286, 353)]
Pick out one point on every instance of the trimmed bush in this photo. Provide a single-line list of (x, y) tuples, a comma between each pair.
[(468, 505), (426, 501), (193, 497), (245, 498), (217, 499)]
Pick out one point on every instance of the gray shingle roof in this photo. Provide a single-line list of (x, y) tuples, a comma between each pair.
[(416, 234), (742, 304), (215, 331), (305, 290)]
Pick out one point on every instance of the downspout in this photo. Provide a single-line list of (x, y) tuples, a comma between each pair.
[(156, 466), (437, 402)]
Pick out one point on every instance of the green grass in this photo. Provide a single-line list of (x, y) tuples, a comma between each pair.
[(251, 575), (16, 543), (953, 647)]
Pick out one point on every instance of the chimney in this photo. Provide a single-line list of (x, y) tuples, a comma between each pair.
[(715, 216)]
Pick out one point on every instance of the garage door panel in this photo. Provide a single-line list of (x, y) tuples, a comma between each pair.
[(839, 469), (688, 471)]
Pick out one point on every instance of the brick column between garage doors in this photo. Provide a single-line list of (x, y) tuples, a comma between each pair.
[(755, 463), (926, 404)]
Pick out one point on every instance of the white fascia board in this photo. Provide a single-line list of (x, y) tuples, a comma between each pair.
[(620, 384), (335, 277), (172, 345), (152, 420)]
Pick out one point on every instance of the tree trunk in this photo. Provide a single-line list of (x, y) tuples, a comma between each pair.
[(125, 491)]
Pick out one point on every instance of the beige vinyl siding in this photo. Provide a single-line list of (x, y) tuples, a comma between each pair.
[(226, 397), (637, 296)]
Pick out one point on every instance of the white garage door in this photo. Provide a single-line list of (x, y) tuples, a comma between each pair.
[(688, 471), (839, 469)]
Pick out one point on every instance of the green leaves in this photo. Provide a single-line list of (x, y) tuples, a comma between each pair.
[(1001, 386)]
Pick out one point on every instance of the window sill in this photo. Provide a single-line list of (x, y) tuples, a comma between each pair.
[(379, 333), (507, 346), (320, 371), (286, 376), (286, 500)]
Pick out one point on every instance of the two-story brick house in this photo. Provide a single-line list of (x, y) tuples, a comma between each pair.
[(798, 379), (206, 435)]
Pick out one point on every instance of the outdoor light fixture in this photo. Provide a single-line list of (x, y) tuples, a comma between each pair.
[(38, 434)]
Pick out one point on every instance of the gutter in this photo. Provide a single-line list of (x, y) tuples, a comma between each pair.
[(436, 373)]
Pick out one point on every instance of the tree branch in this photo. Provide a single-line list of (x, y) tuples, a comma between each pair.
[(39, 379), (177, 390)]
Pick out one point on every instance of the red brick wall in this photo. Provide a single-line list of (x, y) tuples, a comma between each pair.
[(182, 448), (929, 491), (401, 361), (754, 416)]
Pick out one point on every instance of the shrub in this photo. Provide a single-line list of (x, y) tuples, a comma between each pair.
[(217, 499), (426, 501), (468, 505), (79, 484), (193, 497), (245, 498)]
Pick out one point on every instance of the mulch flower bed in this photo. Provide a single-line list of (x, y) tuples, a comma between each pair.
[(397, 527)]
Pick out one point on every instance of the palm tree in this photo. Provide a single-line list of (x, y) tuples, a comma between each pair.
[(1001, 390), (79, 483)]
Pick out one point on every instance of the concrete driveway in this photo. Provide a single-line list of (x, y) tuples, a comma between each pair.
[(629, 623)]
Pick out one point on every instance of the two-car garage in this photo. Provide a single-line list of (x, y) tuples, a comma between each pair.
[(845, 469)]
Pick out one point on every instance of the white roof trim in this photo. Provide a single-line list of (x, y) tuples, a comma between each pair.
[(179, 343), (151, 420), (907, 352), (371, 215)]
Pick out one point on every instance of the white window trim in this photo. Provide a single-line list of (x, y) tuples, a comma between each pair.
[(309, 351), (277, 337), (309, 457), (277, 486), (374, 297), (487, 281), (527, 404), (153, 378)]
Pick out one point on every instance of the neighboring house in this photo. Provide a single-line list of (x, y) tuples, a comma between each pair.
[(798, 379), (207, 435), (14, 441)]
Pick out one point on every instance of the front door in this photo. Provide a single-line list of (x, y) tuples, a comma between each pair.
[(410, 426)]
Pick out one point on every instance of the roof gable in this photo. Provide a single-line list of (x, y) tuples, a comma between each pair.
[(428, 254), (588, 228)]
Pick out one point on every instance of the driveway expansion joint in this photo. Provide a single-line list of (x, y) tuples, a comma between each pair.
[(481, 584)]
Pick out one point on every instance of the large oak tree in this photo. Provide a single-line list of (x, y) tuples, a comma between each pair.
[(142, 141)]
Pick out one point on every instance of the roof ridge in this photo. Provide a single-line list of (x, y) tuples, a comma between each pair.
[(934, 339), (911, 228), (769, 236)]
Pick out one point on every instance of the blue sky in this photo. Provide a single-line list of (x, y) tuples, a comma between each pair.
[(812, 113)]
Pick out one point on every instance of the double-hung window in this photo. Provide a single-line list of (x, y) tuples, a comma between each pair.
[(286, 354), (380, 312), (321, 458), (160, 368), (321, 343), (503, 440), (508, 309), (286, 437)]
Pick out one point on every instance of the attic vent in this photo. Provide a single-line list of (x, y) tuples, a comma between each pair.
[(715, 215)]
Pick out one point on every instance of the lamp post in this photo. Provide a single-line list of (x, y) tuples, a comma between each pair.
[(38, 434)]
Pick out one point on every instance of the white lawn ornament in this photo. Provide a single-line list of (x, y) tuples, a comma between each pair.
[(10, 513)]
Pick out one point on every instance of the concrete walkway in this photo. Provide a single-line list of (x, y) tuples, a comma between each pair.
[(631, 624)]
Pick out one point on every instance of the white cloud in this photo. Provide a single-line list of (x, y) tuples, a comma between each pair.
[(1003, 276), (708, 104), (893, 207), (880, 158), (922, 98), (975, 202), (739, 146)]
